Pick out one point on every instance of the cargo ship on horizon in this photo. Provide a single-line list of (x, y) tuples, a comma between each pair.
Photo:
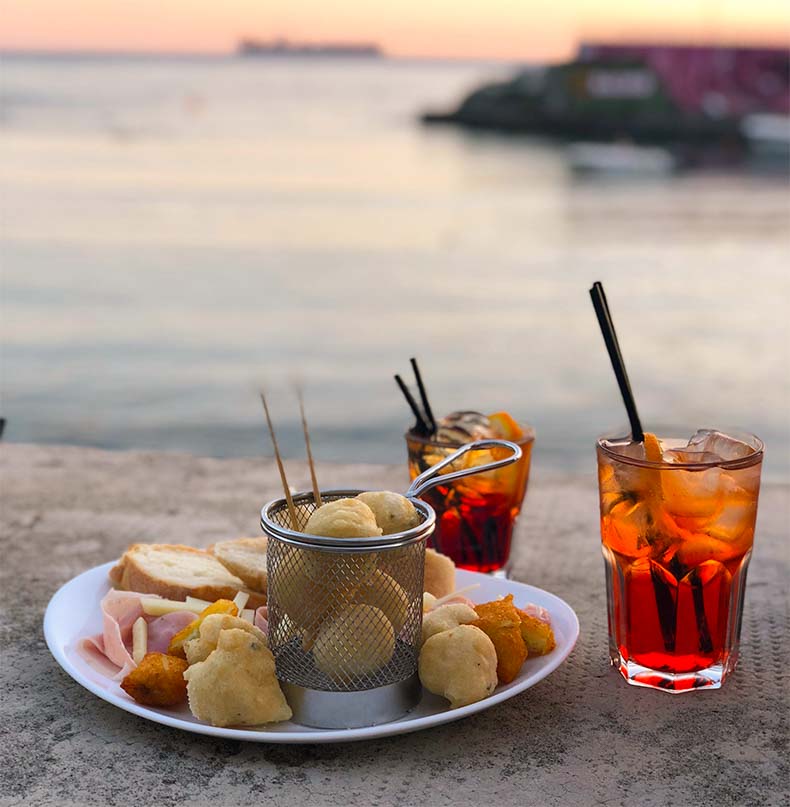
[(284, 47)]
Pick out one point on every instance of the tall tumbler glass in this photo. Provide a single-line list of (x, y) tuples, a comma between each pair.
[(677, 535), (474, 516)]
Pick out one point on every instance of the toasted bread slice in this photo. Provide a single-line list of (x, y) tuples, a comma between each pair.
[(246, 558), (177, 572), (439, 574)]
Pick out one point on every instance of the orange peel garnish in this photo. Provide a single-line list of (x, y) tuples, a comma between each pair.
[(653, 451), (506, 425), (176, 646)]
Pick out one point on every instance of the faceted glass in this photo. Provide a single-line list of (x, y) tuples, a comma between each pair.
[(677, 536)]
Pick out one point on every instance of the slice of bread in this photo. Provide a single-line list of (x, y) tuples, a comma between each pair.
[(439, 574), (244, 557), (177, 572)]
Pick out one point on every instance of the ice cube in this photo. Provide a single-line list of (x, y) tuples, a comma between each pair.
[(693, 494), (684, 456), (720, 444), (634, 451), (464, 427)]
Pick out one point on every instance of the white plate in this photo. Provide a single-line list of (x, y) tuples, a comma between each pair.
[(74, 613)]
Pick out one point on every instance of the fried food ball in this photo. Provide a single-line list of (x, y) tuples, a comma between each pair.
[(393, 512), (158, 680), (439, 574), (357, 641), (446, 617), (343, 518), (236, 685), (537, 634), (501, 622), (459, 664), (428, 601), (308, 584), (385, 593), (201, 647)]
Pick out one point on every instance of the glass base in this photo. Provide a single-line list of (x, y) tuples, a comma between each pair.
[(500, 574), (637, 675)]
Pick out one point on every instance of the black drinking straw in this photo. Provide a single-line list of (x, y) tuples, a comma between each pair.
[(613, 347), (425, 403), (422, 426)]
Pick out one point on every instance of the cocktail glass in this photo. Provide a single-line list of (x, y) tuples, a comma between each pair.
[(677, 532), (474, 516)]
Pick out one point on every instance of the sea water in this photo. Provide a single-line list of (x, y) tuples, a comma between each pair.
[(176, 232)]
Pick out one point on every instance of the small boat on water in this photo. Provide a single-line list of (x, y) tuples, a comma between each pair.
[(768, 135), (620, 159)]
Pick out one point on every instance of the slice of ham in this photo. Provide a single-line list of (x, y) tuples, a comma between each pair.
[(163, 628), (537, 611), (109, 653), (261, 619), (120, 610)]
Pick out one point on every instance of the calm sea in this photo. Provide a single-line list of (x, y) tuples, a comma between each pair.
[(177, 231)]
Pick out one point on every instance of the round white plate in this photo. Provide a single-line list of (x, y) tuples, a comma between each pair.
[(74, 613)]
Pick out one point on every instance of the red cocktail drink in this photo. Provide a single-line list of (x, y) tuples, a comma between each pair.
[(475, 516), (677, 529)]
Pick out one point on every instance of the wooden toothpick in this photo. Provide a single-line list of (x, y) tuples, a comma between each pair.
[(316, 490), (283, 479)]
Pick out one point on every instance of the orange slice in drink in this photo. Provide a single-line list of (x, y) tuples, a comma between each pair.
[(652, 478), (506, 426), (653, 451)]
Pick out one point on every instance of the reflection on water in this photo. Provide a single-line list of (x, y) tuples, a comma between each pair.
[(176, 231)]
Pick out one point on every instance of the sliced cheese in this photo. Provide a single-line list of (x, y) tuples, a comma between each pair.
[(139, 639), (241, 600), (198, 603), (155, 606)]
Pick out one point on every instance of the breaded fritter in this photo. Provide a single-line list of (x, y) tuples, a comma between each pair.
[(236, 685), (199, 648), (459, 664), (501, 622), (537, 634), (158, 680), (393, 512), (446, 617), (358, 640)]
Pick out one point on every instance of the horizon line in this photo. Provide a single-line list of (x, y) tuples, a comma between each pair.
[(636, 41)]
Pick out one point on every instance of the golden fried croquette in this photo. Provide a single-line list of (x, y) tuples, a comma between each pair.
[(236, 685), (387, 594), (357, 640), (158, 680), (459, 664), (447, 617), (439, 574), (537, 634), (199, 648), (501, 622), (343, 518), (393, 512)]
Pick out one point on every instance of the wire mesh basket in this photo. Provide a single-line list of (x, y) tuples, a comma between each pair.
[(345, 614)]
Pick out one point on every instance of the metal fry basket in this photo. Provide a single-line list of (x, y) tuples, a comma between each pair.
[(345, 614)]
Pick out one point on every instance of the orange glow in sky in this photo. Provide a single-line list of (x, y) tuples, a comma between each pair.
[(506, 29)]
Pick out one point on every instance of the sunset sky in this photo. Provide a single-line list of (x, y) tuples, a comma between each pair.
[(443, 28)]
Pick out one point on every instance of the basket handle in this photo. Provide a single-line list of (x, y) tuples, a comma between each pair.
[(430, 478)]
